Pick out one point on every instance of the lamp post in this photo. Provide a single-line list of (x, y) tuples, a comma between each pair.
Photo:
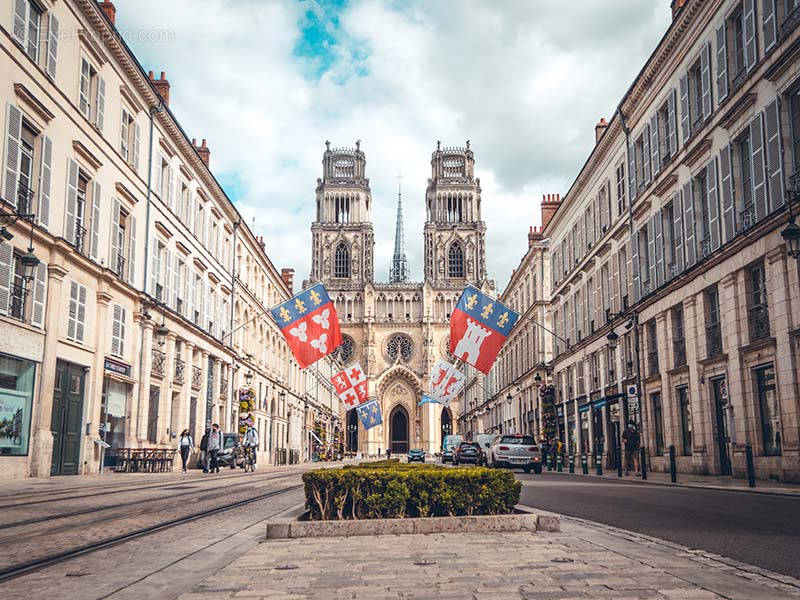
[(791, 233)]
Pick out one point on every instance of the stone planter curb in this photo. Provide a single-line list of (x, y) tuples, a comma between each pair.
[(285, 529)]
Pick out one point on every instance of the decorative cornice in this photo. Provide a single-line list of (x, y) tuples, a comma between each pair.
[(84, 152), (33, 102), (181, 247), (200, 264), (163, 229), (665, 184), (94, 49), (131, 98), (122, 190), (697, 152), (742, 105)]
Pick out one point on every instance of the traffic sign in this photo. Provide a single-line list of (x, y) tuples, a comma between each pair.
[(633, 391)]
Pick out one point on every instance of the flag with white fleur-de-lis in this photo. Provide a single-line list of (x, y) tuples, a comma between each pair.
[(310, 324)]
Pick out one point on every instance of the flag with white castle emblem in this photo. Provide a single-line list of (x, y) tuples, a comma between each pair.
[(479, 327), (310, 324), (351, 385), (369, 413), (446, 382)]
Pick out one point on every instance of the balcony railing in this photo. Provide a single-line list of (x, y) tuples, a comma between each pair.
[(672, 269), (679, 349), (24, 201), (159, 363), (705, 247), (197, 377), (79, 242), (16, 302), (180, 370), (714, 339), (747, 217), (759, 322), (792, 20), (652, 362), (119, 268)]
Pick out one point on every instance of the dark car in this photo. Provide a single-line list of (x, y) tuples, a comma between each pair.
[(416, 455), (228, 456), (468, 452)]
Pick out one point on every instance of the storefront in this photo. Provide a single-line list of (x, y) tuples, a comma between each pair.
[(117, 389), (583, 416), (613, 429), (572, 429), (17, 377)]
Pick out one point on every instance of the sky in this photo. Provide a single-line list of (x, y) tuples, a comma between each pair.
[(266, 82)]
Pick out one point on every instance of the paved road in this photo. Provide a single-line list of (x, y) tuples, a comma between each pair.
[(760, 529)]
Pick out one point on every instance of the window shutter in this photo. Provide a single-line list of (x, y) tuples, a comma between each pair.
[(123, 136), (672, 117), (637, 285), (615, 305), (6, 275), (154, 270), (101, 103), (722, 62), (83, 89), (39, 295), (137, 138), (770, 25), (659, 243), (688, 225), (651, 253), (114, 249), (94, 248), (655, 159), (176, 282), (171, 189), (157, 177), (11, 165), (206, 305), (646, 154), (750, 44), (45, 177), (705, 79), (629, 269), (774, 158), (81, 316), (759, 179), (169, 299), (52, 46), (20, 20), (713, 203), (677, 230), (115, 331), (607, 200), (727, 194), (72, 201), (685, 121), (132, 252), (631, 174), (72, 315)]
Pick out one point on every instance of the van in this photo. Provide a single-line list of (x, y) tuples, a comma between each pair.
[(450, 442)]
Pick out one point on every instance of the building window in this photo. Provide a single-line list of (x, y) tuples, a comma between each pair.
[(652, 348), (118, 331), (695, 96), (611, 359), (27, 27), (113, 409), (758, 314), (736, 59), (16, 401), (639, 158), (658, 422), (664, 131), (399, 344), (713, 331), (770, 415), (27, 169), (668, 227), (686, 420), (129, 138), (455, 262), (341, 267), (701, 202), (678, 336), (621, 203), (76, 317), (91, 94), (794, 108), (644, 259)]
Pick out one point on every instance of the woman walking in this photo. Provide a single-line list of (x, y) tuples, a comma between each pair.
[(185, 445)]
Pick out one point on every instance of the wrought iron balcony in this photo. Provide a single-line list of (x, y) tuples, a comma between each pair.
[(159, 360), (16, 302), (705, 247), (24, 202), (180, 370), (197, 377), (759, 322), (79, 243), (119, 268), (679, 349), (714, 339), (652, 362), (790, 23), (747, 217), (672, 270)]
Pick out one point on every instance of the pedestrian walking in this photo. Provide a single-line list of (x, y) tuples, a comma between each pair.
[(185, 445), (631, 439), (204, 450), (251, 441), (388, 454), (214, 446)]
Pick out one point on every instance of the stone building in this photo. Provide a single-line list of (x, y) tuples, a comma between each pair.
[(668, 248), (397, 330), (145, 313)]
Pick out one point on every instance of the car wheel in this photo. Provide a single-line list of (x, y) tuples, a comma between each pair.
[(527, 469), (537, 469), (455, 463)]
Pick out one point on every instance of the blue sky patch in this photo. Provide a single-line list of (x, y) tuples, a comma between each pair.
[(232, 184)]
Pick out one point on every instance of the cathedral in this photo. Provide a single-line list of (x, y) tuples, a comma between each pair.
[(398, 329)]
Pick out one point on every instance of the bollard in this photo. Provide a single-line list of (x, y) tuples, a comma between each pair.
[(751, 470), (673, 469), (547, 459), (571, 463), (643, 462), (559, 466), (619, 461), (585, 464), (598, 460)]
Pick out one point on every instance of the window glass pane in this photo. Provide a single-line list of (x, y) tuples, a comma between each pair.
[(770, 415), (112, 413), (686, 420), (16, 399)]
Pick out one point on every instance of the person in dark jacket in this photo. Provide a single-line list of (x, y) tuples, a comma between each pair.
[(185, 445), (214, 447), (204, 450), (631, 440)]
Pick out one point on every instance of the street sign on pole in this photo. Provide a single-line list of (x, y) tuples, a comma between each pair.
[(633, 397)]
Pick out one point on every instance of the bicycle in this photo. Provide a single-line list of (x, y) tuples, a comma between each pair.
[(249, 461)]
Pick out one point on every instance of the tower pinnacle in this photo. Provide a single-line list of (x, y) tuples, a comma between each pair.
[(398, 272)]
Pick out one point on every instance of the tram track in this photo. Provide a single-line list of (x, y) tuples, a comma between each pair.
[(37, 564)]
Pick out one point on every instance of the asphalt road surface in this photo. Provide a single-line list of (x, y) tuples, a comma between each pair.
[(758, 528)]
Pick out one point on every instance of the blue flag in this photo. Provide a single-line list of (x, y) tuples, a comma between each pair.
[(427, 400), (370, 413)]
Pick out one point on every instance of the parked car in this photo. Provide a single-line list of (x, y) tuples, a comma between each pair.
[(450, 442), (228, 457), (515, 451), (416, 455), (468, 452), (485, 442)]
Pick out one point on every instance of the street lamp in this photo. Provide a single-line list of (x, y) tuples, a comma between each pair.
[(248, 377), (538, 379), (29, 263), (792, 235), (612, 338), (508, 398)]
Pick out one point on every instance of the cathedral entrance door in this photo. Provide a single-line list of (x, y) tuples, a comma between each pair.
[(398, 430)]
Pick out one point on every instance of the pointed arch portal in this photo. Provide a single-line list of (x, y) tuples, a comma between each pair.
[(398, 430)]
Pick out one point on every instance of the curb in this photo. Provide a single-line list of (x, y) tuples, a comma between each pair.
[(526, 521)]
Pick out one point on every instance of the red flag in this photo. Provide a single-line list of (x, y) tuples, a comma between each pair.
[(351, 385)]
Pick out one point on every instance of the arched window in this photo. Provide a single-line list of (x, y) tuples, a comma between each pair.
[(455, 262), (342, 262)]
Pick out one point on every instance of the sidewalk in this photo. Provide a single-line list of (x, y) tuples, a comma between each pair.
[(585, 560), (713, 482)]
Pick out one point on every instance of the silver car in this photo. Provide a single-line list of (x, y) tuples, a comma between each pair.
[(515, 451)]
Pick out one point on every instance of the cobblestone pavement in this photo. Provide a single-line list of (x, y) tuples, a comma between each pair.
[(585, 560)]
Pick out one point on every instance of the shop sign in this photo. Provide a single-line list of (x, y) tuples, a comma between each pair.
[(115, 366)]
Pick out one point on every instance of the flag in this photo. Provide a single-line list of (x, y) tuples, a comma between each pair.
[(369, 413), (310, 324), (479, 327), (351, 385), (426, 400), (446, 382)]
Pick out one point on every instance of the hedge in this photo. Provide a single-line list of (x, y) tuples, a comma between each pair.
[(388, 489)]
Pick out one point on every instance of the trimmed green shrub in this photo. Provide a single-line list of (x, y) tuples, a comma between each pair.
[(389, 489)]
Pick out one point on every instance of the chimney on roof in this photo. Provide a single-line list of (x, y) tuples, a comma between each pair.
[(203, 150), (534, 235), (161, 85), (550, 204), (676, 5), (600, 129), (111, 12), (288, 278)]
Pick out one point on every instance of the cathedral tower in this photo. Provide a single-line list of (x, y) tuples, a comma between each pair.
[(398, 271), (342, 236), (455, 235)]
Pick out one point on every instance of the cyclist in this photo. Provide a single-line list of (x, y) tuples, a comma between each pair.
[(251, 442)]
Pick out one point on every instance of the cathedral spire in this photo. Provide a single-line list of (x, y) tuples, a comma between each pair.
[(398, 272)]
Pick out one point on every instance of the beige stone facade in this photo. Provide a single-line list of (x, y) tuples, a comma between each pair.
[(147, 311)]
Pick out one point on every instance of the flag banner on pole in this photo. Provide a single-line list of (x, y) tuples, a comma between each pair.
[(446, 382), (351, 385), (310, 324), (369, 413), (479, 327), (426, 400)]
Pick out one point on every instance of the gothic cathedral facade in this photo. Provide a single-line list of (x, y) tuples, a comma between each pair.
[(398, 329)]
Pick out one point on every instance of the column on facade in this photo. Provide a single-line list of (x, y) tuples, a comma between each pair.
[(167, 406), (203, 393), (94, 382), (143, 405), (695, 350), (731, 294), (669, 411), (663, 348), (187, 392), (218, 408)]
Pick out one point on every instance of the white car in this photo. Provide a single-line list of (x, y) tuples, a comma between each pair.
[(515, 451)]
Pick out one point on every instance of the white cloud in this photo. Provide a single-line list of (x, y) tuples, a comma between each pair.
[(524, 81)]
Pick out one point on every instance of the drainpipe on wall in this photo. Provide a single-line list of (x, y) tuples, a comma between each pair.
[(153, 110)]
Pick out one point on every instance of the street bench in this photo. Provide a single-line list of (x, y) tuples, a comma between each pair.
[(143, 460)]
